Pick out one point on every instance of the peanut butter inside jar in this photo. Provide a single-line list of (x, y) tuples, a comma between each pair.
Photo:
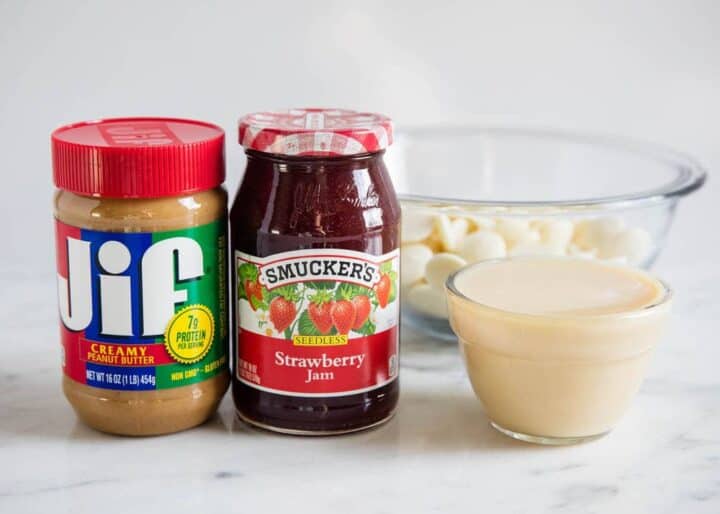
[(144, 412)]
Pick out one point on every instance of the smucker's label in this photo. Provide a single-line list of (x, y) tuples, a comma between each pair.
[(317, 322), (142, 311)]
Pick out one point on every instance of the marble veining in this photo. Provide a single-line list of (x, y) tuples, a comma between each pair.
[(438, 454)]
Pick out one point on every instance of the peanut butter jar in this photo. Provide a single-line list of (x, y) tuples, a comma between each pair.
[(141, 234)]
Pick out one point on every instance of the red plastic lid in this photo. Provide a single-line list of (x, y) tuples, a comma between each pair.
[(138, 157), (315, 132)]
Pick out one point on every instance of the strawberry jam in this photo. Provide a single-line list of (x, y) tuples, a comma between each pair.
[(315, 235)]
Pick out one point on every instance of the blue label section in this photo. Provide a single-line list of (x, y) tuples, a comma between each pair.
[(123, 378), (137, 244)]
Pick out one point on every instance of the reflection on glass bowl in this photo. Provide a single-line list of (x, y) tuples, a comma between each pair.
[(471, 193)]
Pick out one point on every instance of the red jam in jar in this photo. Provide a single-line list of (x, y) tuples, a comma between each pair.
[(315, 235)]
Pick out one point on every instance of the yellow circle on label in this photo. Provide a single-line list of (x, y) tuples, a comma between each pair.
[(189, 334)]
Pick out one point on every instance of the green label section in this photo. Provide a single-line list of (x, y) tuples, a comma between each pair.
[(197, 336)]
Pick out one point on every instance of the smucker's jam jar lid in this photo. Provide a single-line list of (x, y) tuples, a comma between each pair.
[(315, 132), (138, 157)]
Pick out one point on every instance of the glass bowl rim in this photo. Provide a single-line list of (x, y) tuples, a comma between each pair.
[(668, 294), (690, 174)]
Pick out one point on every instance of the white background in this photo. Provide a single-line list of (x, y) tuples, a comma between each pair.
[(648, 69)]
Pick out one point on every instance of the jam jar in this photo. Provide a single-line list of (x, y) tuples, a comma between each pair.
[(314, 237)]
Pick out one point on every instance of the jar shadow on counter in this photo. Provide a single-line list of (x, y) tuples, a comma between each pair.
[(424, 422)]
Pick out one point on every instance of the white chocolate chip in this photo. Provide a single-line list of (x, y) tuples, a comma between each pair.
[(461, 227), (417, 225), (440, 267), (413, 259), (451, 232), (597, 232), (428, 300), (634, 244), (556, 232), (516, 231), (483, 245)]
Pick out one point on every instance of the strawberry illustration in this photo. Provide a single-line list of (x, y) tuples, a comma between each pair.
[(282, 313), (319, 311), (253, 289), (342, 313), (382, 290), (248, 279), (362, 310)]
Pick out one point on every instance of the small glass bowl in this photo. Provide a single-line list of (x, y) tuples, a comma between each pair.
[(543, 192), (555, 379)]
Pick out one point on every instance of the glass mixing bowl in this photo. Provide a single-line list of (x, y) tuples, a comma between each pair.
[(474, 193)]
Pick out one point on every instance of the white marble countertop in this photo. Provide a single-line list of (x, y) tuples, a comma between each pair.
[(438, 453)]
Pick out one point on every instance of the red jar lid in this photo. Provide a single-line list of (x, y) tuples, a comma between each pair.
[(138, 157), (315, 132)]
